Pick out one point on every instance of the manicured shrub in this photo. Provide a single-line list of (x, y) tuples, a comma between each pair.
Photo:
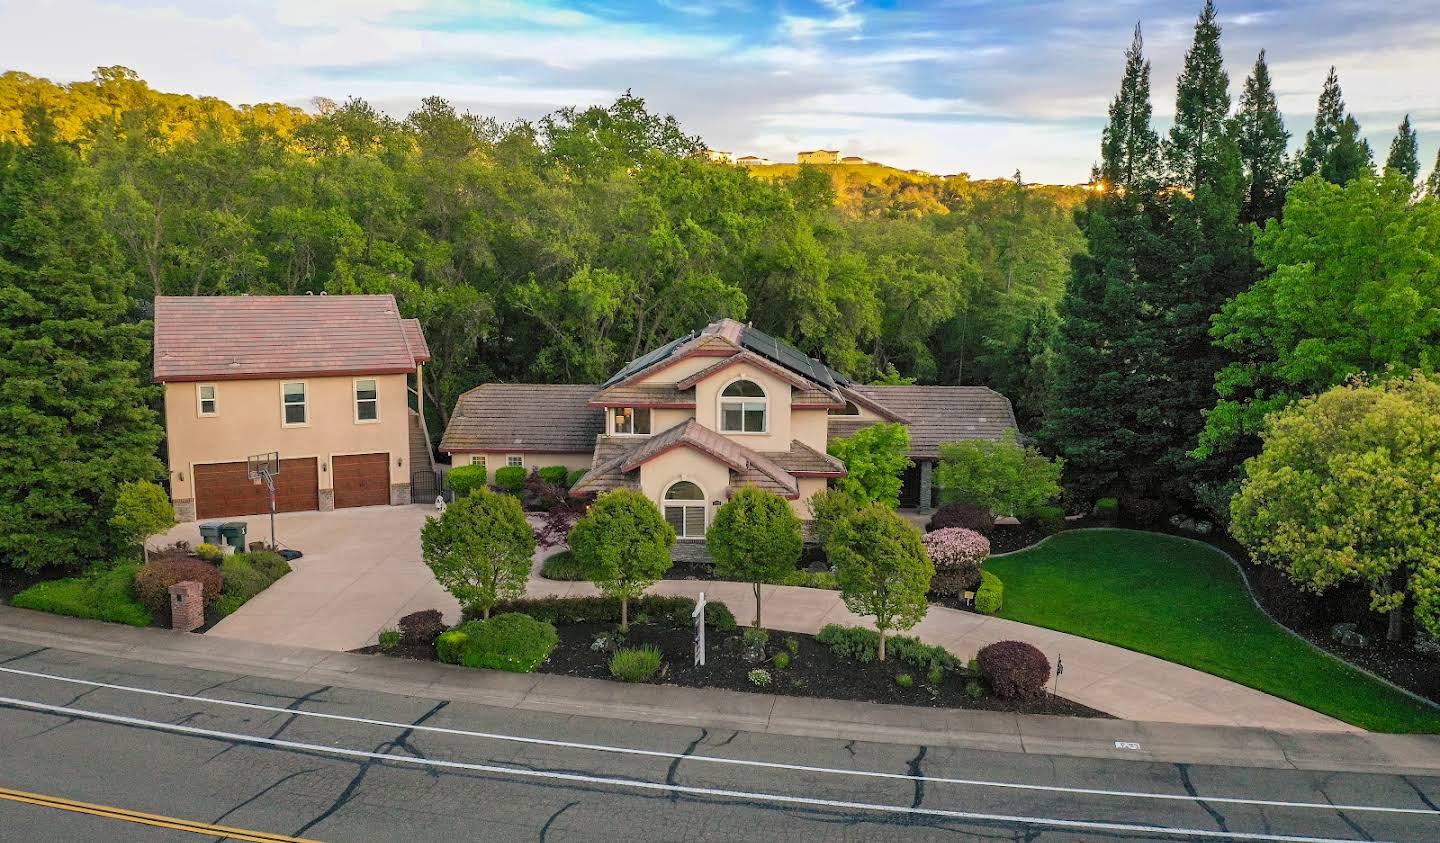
[(882, 569), (635, 664), (153, 581), (1107, 509), (862, 645), (810, 579), (510, 478), (1142, 511), (905, 680), (781, 660), (957, 554), (623, 545), (576, 610), (448, 644), (755, 538), (760, 677), (555, 475), (1047, 519), (240, 580), (268, 562), (756, 637), (935, 675), (104, 594), (793, 645), (965, 516), (1015, 670), (479, 549), (420, 629), (390, 639), (991, 594), (142, 509), (464, 479), (514, 642), (574, 477), (562, 566), (209, 552)]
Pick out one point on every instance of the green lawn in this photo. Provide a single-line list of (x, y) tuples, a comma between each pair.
[(1184, 601)]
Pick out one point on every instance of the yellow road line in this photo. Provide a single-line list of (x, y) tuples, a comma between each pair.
[(158, 820)]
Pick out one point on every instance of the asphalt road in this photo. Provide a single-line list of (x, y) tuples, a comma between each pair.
[(330, 763)]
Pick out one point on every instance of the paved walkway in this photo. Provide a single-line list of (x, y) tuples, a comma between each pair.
[(361, 573)]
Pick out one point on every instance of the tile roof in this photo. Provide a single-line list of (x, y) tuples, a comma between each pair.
[(524, 417), (750, 357), (415, 336), (936, 415), (617, 461), (234, 337), (692, 434), (644, 395), (804, 461), (605, 472)]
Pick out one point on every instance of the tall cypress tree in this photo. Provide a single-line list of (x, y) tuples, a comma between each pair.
[(1404, 152), (1262, 138), (1202, 101), (1334, 148), (1432, 184), (75, 409), (1094, 418)]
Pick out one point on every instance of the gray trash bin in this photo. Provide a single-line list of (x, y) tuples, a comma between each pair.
[(210, 532), (234, 533)]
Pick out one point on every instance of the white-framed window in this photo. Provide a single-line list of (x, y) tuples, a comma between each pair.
[(207, 400), (294, 409), (631, 421), (367, 400), (515, 460), (477, 459), (685, 509), (744, 408)]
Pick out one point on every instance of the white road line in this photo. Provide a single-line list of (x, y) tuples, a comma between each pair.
[(713, 759), (1054, 822)]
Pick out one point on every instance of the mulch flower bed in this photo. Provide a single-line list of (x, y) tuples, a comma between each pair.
[(814, 671)]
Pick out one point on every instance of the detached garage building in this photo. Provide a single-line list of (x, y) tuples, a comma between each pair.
[(325, 381)]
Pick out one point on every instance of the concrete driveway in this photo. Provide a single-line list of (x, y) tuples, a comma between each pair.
[(361, 573)]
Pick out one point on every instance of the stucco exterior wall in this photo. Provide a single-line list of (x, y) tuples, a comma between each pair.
[(808, 487), (811, 427), (707, 406), (712, 477), (248, 421), (497, 459), (680, 369)]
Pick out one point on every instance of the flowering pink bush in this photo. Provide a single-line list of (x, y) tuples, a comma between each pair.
[(957, 554)]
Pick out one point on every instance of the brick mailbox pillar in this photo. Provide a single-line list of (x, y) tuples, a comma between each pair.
[(187, 606)]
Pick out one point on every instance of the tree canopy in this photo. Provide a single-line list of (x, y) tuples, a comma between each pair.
[(755, 538), (480, 549)]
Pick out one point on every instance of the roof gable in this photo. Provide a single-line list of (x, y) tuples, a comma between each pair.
[(238, 337)]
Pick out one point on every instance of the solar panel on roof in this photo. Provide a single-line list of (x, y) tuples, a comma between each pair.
[(647, 360), (790, 357)]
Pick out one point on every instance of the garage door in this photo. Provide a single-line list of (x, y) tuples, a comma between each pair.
[(223, 489), (362, 480)]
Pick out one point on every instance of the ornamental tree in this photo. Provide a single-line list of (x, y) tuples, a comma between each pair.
[(1345, 489), (874, 457), (623, 546), (754, 538), (480, 549), (1004, 477), (142, 509), (882, 569), (957, 555), (829, 507)]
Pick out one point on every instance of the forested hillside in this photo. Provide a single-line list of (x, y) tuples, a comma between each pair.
[(557, 250)]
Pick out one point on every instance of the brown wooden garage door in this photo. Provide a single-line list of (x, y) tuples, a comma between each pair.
[(362, 480), (223, 489)]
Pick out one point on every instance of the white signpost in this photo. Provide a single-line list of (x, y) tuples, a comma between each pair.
[(699, 615)]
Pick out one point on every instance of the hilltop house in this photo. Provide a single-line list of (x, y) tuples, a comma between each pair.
[(819, 156), (752, 161), (723, 407), (852, 159), (322, 380)]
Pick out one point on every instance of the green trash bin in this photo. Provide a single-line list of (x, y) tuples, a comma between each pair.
[(210, 532), (234, 533)]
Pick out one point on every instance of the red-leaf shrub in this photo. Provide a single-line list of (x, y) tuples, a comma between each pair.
[(1015, 670), (153, 581), (957, 554), (422, 628), (966, 516)]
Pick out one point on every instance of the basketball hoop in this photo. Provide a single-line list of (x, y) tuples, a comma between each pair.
[(261, 469)]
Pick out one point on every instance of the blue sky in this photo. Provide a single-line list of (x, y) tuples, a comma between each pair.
[(978, 86)]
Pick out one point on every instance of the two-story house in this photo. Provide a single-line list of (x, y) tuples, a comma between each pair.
[(700, 416), (321, 380)]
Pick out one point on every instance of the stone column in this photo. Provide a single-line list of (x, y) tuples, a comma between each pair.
[(399, 494), (925, 484), (187, 606), (184, 509)]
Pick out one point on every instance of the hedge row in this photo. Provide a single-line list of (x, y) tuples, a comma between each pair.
[(572, 610)]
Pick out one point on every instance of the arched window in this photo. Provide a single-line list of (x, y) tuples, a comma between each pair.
[(848, 410), (685, 509), (743, 408)]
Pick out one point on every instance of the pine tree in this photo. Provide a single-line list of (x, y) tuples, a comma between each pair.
[(1262, 138), (1202, 101), (1432, 184), (1334, 148), (1093, 416), (1404, 152), (75, 409)]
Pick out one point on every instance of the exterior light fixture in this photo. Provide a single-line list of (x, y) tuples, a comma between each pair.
[(324, 466)]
